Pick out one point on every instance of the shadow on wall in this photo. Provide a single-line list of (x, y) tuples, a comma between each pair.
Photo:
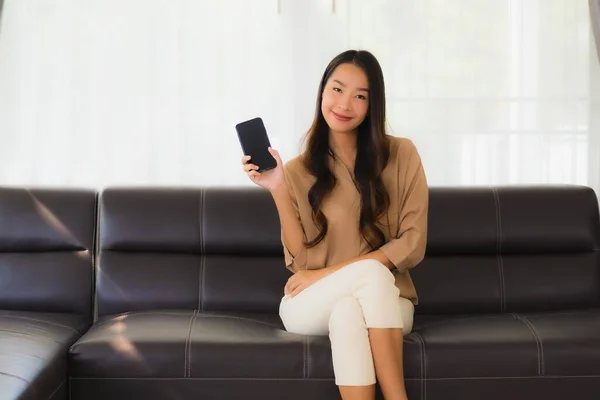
[(595, 19)]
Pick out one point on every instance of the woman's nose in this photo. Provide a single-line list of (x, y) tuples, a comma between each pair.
[(344, 104)]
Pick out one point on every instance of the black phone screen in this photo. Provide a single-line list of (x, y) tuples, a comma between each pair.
[(255, 143)]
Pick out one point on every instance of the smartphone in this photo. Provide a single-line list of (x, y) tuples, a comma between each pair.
[(255, 143)]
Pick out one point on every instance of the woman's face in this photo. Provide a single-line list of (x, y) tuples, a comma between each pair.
[(345, 101)]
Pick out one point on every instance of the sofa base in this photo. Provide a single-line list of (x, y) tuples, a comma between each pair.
[(526, 388), (548, 388), (208, 389)]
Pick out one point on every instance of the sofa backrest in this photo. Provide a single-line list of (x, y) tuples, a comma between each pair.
[(510, 249), (212, 249), (218, 249), (47, 250)]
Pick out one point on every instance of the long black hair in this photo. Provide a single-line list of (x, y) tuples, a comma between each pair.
[(372, 153)]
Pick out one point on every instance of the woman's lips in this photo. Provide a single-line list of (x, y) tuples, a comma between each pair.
[(341, 117)]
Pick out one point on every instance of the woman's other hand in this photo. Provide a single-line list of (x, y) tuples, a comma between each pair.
[(301, 280)]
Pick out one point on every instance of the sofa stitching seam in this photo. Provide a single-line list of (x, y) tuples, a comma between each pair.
[(132, 314), (203, 266), (15, 377), (41, 321), (189, 367), (57, 389), (423, 366), (95, 256), (538, 342), (200, 244), (187, 340), (572, 312), (308, 357), (202, 248), (499, 249), (240, 318), (304, 374), (30, 334)]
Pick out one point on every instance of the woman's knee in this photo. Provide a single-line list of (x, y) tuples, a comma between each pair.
[(294, 318), (375, 270), (377, 279), (301, 317)]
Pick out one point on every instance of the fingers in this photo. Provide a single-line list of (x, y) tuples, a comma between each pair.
[(298, 289), (291, 284), (250, 167), (294, 286), (275, 155), (287, 289)]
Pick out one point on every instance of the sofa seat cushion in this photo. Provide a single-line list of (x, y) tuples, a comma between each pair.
[(197, 344), (33, 353), (568, 342), (509, 345), (210, 345)]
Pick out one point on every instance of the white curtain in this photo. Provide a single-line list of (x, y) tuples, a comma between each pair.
[(97, 93)]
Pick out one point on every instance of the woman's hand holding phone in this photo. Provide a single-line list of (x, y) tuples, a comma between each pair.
[(272, 180)]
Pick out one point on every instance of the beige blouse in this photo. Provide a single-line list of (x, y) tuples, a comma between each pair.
[(404, 225)]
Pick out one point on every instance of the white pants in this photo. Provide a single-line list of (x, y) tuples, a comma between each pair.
[(344, 305)]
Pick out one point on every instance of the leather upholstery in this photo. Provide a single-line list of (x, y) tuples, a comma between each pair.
[(510, 249), (207, 249), (33, 349), (46, 272), (46, 250), (190, 281)]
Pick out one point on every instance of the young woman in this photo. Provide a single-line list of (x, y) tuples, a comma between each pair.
[(353, 211)]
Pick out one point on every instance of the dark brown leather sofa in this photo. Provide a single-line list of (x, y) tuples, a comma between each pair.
[(188, 281), (46, 254)]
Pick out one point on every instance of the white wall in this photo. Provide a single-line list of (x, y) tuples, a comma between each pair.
[(109, 92)]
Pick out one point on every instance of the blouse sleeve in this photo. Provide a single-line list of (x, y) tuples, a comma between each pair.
[(407, 249), (298, 261)]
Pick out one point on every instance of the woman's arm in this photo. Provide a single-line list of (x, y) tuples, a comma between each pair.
[(374, 255), (407, 249), (276, 182), (291, 229)]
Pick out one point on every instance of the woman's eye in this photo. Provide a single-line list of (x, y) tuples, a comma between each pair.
[(335, 89), (360, 96)]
